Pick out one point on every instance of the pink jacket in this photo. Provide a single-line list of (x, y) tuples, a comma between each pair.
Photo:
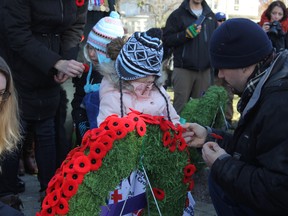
[(155, 104)]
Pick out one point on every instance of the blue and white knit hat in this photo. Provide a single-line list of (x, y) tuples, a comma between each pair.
[(141, 55), (105, 30)]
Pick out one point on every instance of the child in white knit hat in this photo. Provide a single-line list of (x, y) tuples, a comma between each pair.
[(86, 97)]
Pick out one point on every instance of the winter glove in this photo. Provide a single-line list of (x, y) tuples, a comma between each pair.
[(83, 127), (192, 31)]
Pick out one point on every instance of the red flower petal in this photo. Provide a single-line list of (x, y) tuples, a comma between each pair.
[(189, 170), (79, 3), (53, 198), (48, 212), (82, 164), (181, 144), (95, 163), (77, 177), (107, 141), (129, 125), (120, 133), (62, 207), (86, 67), (70, 188), (141, 127), (56, 178), (172, 147), (158, 193), (191, 185), (99, 149), (166, 139)]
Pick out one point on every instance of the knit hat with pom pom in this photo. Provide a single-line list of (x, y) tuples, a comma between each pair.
[(105, 30), (141, 55)]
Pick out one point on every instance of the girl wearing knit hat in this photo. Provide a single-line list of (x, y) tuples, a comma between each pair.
[(85, 103), (136, 80)]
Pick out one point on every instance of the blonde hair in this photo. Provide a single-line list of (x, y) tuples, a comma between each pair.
[(9, 114)]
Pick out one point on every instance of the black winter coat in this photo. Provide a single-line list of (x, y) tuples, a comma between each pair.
[(257, 174), (38, 34), (189, 53)]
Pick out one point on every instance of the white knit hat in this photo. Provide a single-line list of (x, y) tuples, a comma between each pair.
[(105, 30)]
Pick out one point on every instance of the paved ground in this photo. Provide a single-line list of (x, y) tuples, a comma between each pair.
[(31, 195)]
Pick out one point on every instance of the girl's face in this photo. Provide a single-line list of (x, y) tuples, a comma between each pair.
[(143, 86), (92, 54), (276, 14)]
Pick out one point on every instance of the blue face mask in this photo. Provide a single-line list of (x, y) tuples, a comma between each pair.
[(102, 58)]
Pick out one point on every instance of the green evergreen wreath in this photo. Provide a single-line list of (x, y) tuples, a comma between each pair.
[(209, 109), (109, 154)]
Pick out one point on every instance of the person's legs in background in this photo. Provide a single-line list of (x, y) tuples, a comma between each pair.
[(182, 81), (45, 151), (202, 81)]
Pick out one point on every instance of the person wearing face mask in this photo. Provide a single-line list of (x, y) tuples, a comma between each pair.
[(136, 81), (275, 23), (248, 169), (84, 113)]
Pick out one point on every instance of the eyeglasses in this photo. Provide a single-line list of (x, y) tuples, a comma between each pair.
[(4, 96), (221, 20)]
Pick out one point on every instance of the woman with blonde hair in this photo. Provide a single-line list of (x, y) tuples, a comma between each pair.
[(9, 131), (9, 115)]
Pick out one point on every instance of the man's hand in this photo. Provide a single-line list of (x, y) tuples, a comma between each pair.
[(195, 135), (192, 31), (211, 151), (71, 68)]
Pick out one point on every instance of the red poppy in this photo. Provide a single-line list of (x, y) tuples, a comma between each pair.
[(158, 193), (82, 164), (70, 188), (114, 123), (191, 185), (95, 163), (56, 186), (166, 139), (54, 179), (77, 177), (181, 144), (216, 136), (189, 170), (128, 124), (77, 155), (80, 3), (69, 167), (86, 138), (48, 212), (99, 149), (111, 134), (186, 179), (172, 148), (107, 141), (53, 198), (121, 133), (62, 207), (86, 66), (95, 133)]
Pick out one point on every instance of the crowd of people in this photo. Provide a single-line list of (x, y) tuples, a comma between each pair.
[(113, 73)]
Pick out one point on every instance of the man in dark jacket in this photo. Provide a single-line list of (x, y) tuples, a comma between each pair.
[(41, 40), (249, 174), (188, 31)]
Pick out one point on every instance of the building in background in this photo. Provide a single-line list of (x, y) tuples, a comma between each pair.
[(140, 15)]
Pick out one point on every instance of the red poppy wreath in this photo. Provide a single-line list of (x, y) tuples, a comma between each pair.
[(130, 165)]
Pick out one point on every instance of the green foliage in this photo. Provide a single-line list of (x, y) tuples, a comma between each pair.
[(206, 110), (164, 168)]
